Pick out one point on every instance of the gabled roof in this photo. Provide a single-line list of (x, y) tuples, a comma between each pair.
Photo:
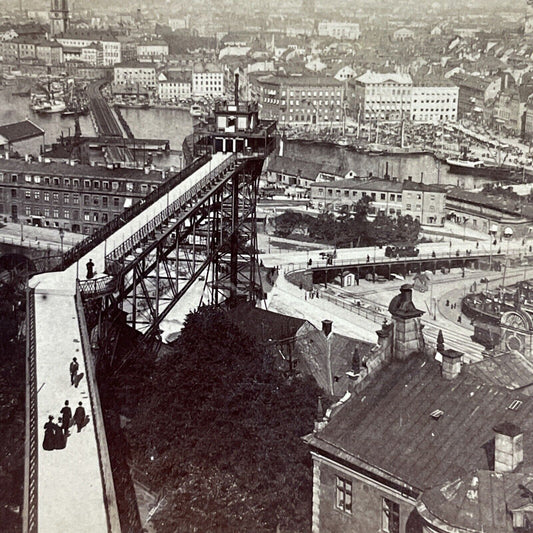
[(387, 428), (20, 131), (294, 167), (379, 77)]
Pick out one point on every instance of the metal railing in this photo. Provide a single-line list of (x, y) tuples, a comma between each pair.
[(30, 513), (29, 243), (106, 474), (369, 314), (321, 264), (98, 286), (85, 246), (131, 242)]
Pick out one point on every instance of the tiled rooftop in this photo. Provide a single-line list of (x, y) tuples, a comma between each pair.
[(388, 425)]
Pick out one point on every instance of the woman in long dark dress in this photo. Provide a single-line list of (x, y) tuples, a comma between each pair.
[(59, 437), (49, 441)]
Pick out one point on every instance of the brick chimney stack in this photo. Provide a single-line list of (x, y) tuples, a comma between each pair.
[(452, 361), (508, 447)]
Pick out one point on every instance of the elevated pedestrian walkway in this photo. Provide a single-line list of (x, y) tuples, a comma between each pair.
[(71, 489)]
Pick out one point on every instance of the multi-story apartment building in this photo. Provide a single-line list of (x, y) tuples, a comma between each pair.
[(152, 51), (10, 51), (49, 52), (31, 49), (339, 30), (393, 97), (434, 103), (301, 100), (26, 48), (111, 47), (78, 198), (474, 91), (424, 203), (135, 73), (93, 54), (380, 96), (510, 109), (172, 85), (208, 80)]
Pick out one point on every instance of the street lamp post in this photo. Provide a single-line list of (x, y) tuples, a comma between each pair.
[(61, 236), (492, 233), (507, 234)]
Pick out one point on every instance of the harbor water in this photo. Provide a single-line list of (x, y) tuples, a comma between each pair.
[(157, 123)]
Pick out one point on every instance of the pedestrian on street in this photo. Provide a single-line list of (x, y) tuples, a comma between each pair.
[(73, 370), (66, 413), (49, 441), (90, 269), (60, 438), (79, 416), (459, 319), (368, 259)]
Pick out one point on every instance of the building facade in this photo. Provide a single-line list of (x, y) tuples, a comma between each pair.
[(152, 51), (173, 86), (434, 103), (49, 52), (483, 212), (208, 80), (78, 198), (135, 73), (302, 100), (377, 96), (339, 30), (78, 39), (393, 198)]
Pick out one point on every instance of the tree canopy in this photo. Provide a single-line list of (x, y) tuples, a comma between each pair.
[(219, 432), (351, 227)]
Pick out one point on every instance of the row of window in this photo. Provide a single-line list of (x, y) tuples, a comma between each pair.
[(304, 94), (318, 103), (390, 510), (393, 197), (312, 118), (437, 101), (104, 201), (88, 216), (76, 183), (433, 118)]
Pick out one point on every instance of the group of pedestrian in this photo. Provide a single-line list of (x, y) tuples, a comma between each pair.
[(55, 435), (312, 294), (451, 305)]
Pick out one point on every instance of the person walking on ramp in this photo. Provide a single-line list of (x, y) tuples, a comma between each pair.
[(66, 413), (79, 416), (73, 370)]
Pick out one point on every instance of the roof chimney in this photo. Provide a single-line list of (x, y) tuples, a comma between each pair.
[(508, 447), (452, 361), (326, 327)]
